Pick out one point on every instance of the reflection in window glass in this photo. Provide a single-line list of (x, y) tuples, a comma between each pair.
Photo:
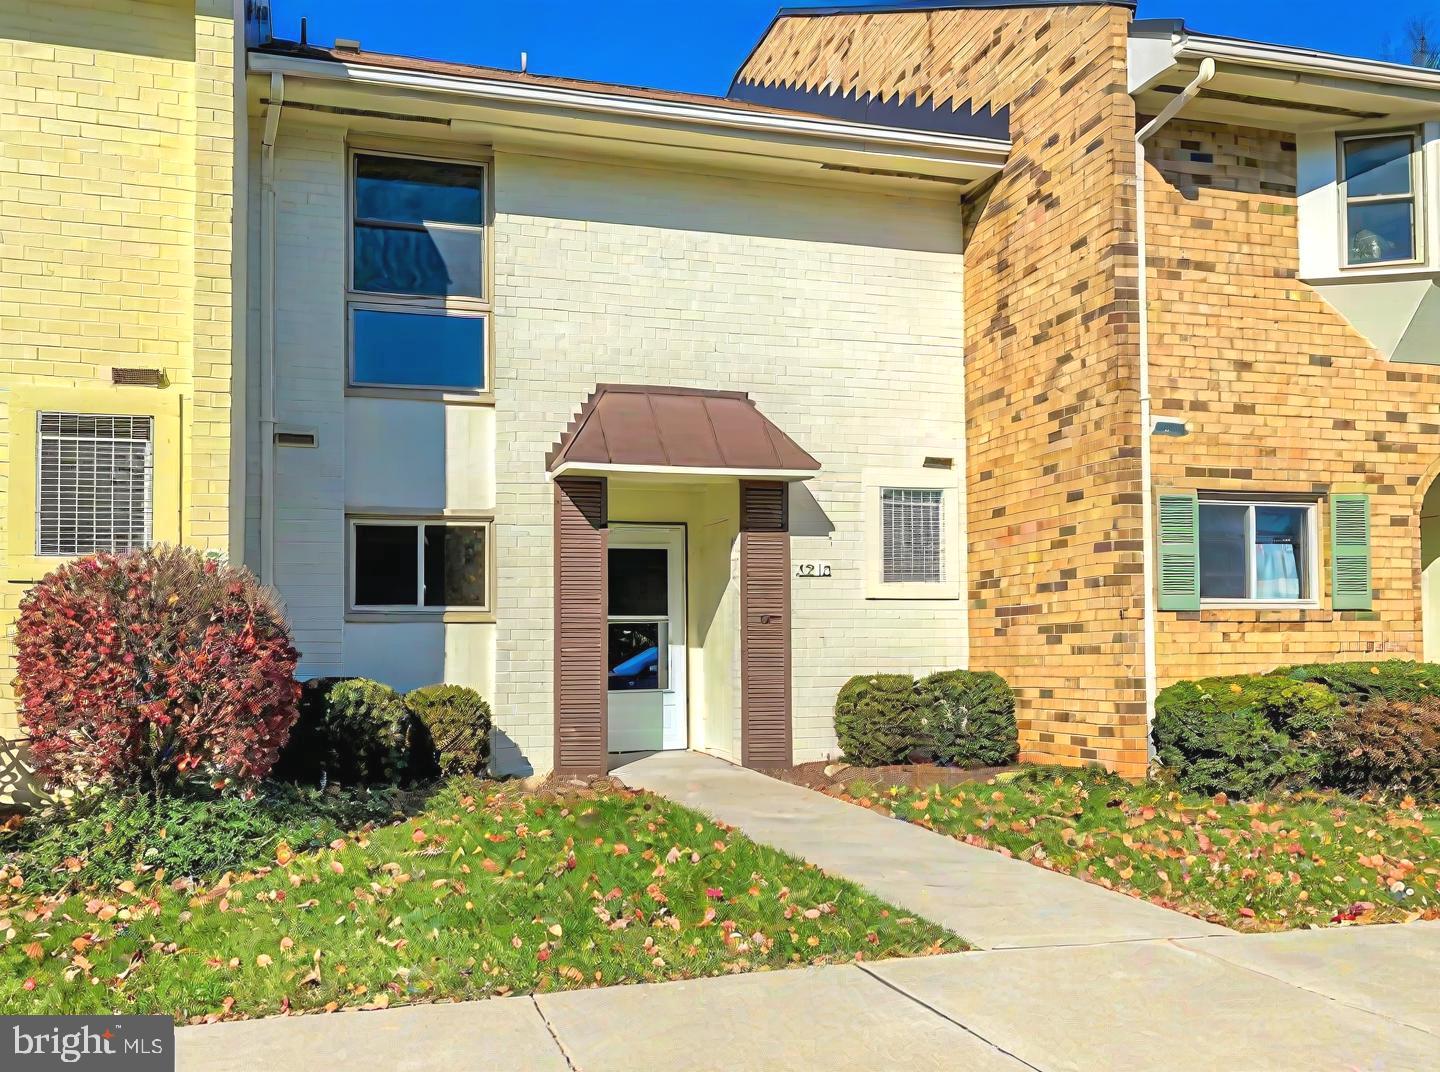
[(1381, 231), (634, 656), (385, 574), (418, 350), (1378, 166), (639, 581), (398, 190), (1224, 565), (435, 261), (455, 566)]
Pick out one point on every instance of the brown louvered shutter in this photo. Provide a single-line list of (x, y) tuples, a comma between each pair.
[(765, 625), (581, 596)]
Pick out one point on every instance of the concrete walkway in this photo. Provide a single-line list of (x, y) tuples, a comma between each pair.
[(1311, 1001), (990, 900)]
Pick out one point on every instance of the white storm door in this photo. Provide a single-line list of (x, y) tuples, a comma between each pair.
[(646, 638)]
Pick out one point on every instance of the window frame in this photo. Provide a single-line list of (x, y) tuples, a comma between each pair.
[(149, 479), (481, 307), (874, 484), (1312, 578), (1416, 197), (418, 611)]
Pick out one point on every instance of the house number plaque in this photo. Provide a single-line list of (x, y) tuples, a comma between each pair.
[(812, 569)]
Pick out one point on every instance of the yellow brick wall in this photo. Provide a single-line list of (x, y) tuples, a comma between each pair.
[(116, 166), (1051, 347), (1281, 395)]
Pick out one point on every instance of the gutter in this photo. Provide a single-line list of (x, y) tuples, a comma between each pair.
[(267, 327), (1147, 494), (1303, 61), (720, 116)]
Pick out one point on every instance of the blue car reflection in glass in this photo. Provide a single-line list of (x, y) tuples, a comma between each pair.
[(634, 656)]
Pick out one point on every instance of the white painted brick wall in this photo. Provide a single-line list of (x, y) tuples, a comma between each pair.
[(839, 312)]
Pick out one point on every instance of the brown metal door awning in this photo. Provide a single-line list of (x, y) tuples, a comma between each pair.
[(627, 429)]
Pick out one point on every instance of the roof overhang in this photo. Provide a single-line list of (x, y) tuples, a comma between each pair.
[(1274, 86), (676, 433), (573, 119)]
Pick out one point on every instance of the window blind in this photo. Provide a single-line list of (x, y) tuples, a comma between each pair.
[(94, 478), (913, 535)]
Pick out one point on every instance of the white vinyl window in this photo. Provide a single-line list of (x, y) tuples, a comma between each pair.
[(1379, 180), (418, 298), (419, 565), (1258, 552), (913, 535), (94, 483)]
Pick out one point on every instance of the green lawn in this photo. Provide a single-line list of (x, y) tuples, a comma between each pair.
[(488, 892), (1295, 861)]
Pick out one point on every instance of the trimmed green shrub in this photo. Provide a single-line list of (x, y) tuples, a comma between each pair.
[(1243, 735), (106, 838), (1386, 745), (1357, 683), (351, 730), (971, 718), (454, 729), (879, 720)]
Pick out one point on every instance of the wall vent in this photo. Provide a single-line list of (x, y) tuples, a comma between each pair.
[(292, 437), (137, 377)]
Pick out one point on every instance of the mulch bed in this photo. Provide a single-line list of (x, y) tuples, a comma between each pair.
[(905, 775)]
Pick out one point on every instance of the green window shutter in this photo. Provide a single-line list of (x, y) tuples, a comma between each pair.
[(1179, 539), (1350, 585)]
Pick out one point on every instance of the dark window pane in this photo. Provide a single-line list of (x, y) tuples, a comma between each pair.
[(639, 581), (1224, 569), (385, 574), (1382, 231), (454, 566), (1280, 553), (419, 349), (435, 262), (417, 191), (634, 655), (1378, 166)]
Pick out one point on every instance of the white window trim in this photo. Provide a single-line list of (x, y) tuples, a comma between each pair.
[(1417, 198), (480, 307), (876, 481), (1312, 556), (418, 611)]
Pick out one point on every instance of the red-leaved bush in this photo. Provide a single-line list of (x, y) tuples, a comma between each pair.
[(152, 667)]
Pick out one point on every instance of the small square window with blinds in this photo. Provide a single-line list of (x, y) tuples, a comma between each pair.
[(93, 485), (913, 529)]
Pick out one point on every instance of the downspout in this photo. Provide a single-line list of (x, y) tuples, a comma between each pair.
[(1147, 504), (267, 327)]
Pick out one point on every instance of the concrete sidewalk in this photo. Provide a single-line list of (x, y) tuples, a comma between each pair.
[(1314, 1001), (990, 900)]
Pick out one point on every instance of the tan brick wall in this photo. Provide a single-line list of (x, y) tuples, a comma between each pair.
[(116, 145), (1051, 348), (1281, 395)]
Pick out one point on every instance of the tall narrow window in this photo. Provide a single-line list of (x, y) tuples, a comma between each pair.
[(912, 524), (1379, 184), (93, 483), (418, 300)]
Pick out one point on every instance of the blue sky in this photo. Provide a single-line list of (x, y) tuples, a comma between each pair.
[(680, 44)]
